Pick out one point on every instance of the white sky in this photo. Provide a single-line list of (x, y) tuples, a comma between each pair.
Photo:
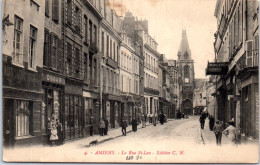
[(166, 18)]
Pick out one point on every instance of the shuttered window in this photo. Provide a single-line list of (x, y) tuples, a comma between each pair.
[(60, 57), (69, 12), (55, 10), (54, 51), (47, 8), (46, 48)]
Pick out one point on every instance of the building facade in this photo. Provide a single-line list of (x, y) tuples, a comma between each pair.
[(236, 47), (174, 83), (129, 78), (186, 75), (200, 96), (22, 57)]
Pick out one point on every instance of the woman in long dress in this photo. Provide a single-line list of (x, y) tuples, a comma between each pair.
[(230, 132)]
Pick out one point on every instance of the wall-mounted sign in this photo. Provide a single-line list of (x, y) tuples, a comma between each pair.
[(53, 79), (217, 68)]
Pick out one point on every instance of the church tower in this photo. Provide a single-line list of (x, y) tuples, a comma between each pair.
[(186, 76)]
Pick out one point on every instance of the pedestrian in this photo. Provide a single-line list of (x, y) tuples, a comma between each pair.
[(211, 122), (134, 125), (143, 120), (162, 118), (54, 134), (49, 130), (91, 123), (106, 126), (230, 132), (202, 121), (102, 127), (124, 125), (154, 120), (217, 129), (60, 132)]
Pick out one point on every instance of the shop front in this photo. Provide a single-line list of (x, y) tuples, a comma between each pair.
[(249, 111), (22, 102), (91, 112), (73, 111), (52, 100), (112, 110)]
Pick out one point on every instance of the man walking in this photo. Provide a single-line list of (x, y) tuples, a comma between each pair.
[(124, 125), (202, 121), (218, 132), (106, 126), (102, 127)]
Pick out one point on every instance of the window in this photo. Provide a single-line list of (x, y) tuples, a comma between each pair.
[(54, 51), (95, 71), (47, 8), (55, 10), (103, 43), (110, 53), (32, 46), (77, 19), (17, 43), (69, 12), (114, 56), (69, 59), (23, 117), (186, 71), (90, 31), (85, 60), (46, 48), (90, 70), (95, 35), (77, 63), (86, 28), (108, 45), (186, 55)]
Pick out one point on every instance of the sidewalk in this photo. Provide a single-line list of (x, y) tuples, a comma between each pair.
[(112, 134), (209, 136)]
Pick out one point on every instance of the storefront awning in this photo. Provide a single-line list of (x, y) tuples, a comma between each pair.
[(217, 68)]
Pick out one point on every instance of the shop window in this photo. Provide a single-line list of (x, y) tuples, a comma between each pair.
[(17, 42), (23, 118)]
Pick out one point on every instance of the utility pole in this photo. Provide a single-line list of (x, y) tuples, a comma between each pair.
[(100, 84)]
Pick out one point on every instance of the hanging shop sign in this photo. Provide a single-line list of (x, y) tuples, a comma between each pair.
[(217, 68)]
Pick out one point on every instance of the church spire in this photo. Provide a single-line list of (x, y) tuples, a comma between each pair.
[(184, 49)]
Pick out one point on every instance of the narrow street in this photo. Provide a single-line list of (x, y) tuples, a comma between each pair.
[(175, 141)]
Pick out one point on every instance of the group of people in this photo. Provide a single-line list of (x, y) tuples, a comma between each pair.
[(55, 131), (103, 126), (231, 132), (218, 129)]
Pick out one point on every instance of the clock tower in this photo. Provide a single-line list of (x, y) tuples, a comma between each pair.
[(186, 76)]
